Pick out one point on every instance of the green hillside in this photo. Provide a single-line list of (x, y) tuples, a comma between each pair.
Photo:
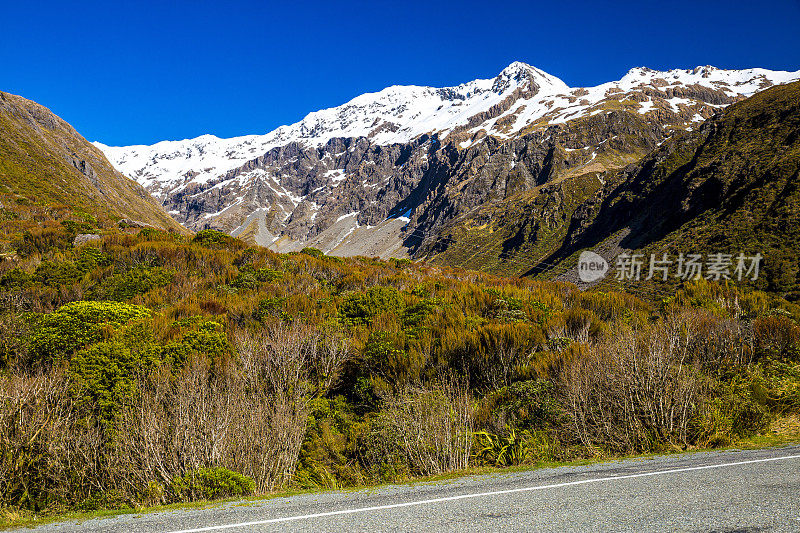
[(149, 368), (50, 174)]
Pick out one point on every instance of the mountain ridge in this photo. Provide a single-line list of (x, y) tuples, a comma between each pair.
[(330, 179)]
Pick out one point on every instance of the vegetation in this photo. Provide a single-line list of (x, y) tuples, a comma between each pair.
[(52, 179), (151, 368)]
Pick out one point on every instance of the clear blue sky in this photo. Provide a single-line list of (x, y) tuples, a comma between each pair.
[(138, 72)]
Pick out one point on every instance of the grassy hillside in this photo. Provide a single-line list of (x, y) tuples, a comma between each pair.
[(49, 173)]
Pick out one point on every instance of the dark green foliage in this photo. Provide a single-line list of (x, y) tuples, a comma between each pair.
[(205, 337), (56, 336), (359, 308), (105, 376), (386, 359), (210, 484), (415, 314), (324, 460), (250, 278), (90, 258), (270, 307), (57, 274), (139, 280), (16, 279), (214, 238), (313, 252), (527, 405), (78, 227)]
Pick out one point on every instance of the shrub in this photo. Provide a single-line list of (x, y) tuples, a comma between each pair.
[(735, 411), (313, 252), (16, 279), (527, 405), (44, 239), (139, 280), (57, 274), (248, 278), (360, 307), (208, 339), (210, 484), (324, 460), (91, 257), (59, 334), (77, 227), (269, 307), (104, 377)]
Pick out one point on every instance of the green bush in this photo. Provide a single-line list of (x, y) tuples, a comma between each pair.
[(57, 274), (209, 339), (249, 278), (91, 257), (324, 460), (139, 280), (528, 405), (16, 279), (360, 307), (269, 307), (78, 227), (105, 376), (415, 315), (211, 484), (59, 334), (211, 237), (313, 252)]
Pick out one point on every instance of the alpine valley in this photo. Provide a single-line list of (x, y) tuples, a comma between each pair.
[(488, 174), (150, 358)]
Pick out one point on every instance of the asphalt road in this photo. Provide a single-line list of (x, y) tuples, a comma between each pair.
[(731, 492)]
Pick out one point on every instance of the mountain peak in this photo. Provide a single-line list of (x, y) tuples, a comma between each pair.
[(515, 68), (520, 72)]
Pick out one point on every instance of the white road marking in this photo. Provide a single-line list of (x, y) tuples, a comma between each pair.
[(477, 495)]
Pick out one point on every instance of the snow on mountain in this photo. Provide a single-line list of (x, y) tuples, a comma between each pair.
[(339, 179), (583, 101), (396, 114), (399, 114)]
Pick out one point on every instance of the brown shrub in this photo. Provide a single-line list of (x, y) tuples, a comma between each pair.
[(636, 391)]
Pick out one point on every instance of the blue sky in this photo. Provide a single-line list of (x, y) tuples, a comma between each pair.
[(138, 72)]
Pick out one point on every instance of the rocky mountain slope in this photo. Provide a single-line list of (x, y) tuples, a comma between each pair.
[(732, 186), (389, 173), (48, 172)]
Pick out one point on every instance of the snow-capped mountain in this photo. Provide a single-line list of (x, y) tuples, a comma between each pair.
[(396, 114), (357, 165)]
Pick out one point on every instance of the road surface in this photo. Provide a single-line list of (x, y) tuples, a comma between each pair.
[(730, 491)]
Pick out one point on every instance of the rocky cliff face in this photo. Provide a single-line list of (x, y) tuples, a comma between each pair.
[(388, 173)]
